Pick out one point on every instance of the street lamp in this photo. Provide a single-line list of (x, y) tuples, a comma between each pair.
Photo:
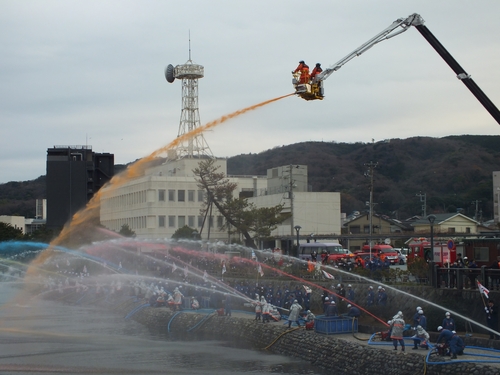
[(431, 219), (297, 228)]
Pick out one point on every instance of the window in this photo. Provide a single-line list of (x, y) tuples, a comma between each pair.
[(482, 254), (161, 195), (467, 229), (191, 221), (200, 221), (181, 221), (161, 221), (190, 195), (366, 229), (354, 229), (181, 195), (171, 195), (201, 196), (211, 222), (171, 221), (451, 230), (220, 221)]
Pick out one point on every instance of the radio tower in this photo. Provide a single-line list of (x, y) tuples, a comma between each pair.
[(189, 73)]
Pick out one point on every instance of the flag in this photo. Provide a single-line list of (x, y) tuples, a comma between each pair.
[(328, 275), (174, 267), (259, 270), (308, 290), (223, 268), (205, 276), (482, 289)]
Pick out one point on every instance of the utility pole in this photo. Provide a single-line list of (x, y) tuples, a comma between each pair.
[(423, 199), (476, 215), (290, 191), (371, 166)]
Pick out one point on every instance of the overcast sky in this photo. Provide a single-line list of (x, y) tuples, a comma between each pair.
[(92, 72)]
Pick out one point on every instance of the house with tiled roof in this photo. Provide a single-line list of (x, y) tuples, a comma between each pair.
[(449, 223)]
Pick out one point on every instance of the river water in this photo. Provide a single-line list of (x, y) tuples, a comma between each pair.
[(40, 336)]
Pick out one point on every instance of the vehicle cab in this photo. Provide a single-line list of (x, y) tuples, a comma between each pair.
[(321, 251), (384, 252)]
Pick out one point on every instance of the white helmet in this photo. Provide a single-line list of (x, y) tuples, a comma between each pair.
[(447, 313)]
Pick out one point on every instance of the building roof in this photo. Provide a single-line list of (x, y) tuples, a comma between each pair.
[(442, 218)]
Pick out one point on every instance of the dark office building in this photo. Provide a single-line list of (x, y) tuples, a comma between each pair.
[(74, 175)]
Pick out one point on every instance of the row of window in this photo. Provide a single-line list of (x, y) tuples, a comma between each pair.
[(163, 195), (127, 199), (179, 221), (139, 222), (164, 221), (355, 229), (181, 195)]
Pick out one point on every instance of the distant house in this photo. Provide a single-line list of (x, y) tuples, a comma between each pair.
[(449, 223), (358, 230)]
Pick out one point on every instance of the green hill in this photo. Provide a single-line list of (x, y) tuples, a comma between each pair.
[(454, 172)]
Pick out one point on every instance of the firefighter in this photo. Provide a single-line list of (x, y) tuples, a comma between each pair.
[(317, 69), (303, 68)]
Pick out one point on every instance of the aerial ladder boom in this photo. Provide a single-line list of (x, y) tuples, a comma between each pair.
[(314, 89)]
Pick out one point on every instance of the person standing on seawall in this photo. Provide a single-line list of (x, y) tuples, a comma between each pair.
[(448, 322), (294, 314), (370, 297), (492, 318), (397, 326)]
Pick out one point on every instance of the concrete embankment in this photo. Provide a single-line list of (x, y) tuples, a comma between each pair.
[(329, 352)]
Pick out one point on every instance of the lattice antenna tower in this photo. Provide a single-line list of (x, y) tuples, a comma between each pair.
[(189, 73)]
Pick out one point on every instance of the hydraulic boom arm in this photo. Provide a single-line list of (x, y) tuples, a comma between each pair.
[(314, 90)]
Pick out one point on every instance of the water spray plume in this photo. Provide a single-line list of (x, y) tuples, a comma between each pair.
[(88, 217)]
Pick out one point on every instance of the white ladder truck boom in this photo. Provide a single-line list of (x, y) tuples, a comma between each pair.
[(314, 89)]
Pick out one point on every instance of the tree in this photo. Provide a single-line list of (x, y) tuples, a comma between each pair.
[(8, 232), (185, 232), (238, 212), (125, 231), (41, 235)]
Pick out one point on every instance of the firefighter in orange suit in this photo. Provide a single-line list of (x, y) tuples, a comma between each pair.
[(303, 68), (317, 69)]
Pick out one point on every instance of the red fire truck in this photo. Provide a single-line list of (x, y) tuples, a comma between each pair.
[(445, 250)]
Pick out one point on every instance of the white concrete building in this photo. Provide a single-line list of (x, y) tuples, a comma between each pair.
[(16, 221), (167, 197)]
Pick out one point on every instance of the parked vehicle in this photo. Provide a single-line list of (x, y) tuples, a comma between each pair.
[(401, 256), (445, 250), (327, 252), (384, 252)]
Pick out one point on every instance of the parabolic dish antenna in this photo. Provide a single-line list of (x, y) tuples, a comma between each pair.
[(169, 73)]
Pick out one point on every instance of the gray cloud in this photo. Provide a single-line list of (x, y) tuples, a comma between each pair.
[(92, 71)]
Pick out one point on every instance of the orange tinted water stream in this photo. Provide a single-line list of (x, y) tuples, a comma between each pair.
[(90, 214)]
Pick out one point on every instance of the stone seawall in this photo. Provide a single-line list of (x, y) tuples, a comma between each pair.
[(326, 352)]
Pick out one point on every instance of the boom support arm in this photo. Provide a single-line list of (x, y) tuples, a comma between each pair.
[(400, 26), (460, 72)]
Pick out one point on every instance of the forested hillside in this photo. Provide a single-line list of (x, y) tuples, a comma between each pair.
[(452, 171)]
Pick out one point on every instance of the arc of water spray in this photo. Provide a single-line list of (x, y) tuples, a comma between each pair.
[(397, 291), (135, 170)]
